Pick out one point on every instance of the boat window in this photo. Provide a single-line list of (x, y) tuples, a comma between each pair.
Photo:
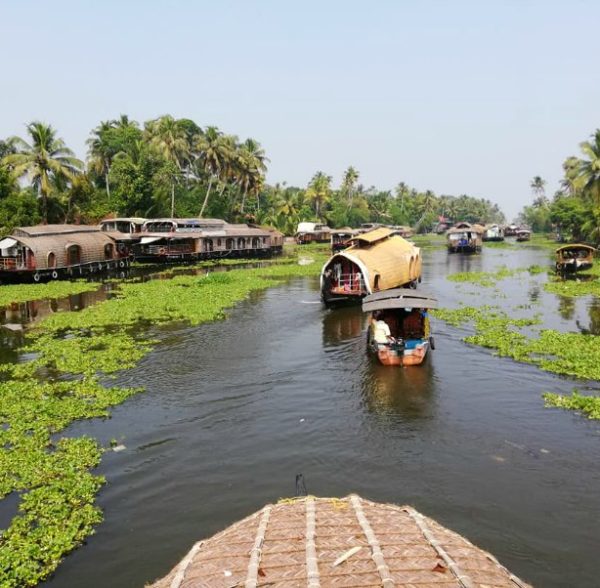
[(108, 251), (51, 259), (73, 255)]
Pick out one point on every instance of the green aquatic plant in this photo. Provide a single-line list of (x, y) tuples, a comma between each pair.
[(588, 405), (573, 288), (486, 279), (67, 358)]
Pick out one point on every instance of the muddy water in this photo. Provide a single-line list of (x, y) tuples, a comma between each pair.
[(234, 410)]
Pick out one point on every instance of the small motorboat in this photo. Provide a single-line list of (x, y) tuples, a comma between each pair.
[(399, 330), (574, 257)]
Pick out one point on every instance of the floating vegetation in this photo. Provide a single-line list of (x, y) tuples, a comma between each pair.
[(573, 288), (489, 279), (69, 353), (15, 293), (569, 354), (588, 405), (428, 241)]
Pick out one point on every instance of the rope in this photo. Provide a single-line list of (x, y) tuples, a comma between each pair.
[(462, 578), (376, 553), (183, 566), (256, 552), (312, 568)]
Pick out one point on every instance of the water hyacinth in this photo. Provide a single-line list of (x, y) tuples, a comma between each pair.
[(70, 352)]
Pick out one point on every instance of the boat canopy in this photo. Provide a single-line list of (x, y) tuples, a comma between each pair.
[(397, 298), (575, 246)]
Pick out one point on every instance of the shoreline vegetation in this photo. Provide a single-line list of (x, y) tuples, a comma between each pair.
[(69, 357)]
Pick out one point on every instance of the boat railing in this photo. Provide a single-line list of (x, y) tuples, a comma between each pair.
[(168, 249), (350, 283), (13, 263)]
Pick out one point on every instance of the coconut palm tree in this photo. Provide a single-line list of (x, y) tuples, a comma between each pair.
[(101, 151), (537, 186), (351, 176), (589, 169), (44, 160), (250, 169), (319, 191), (572, 181), (168, 138), (215, 154)]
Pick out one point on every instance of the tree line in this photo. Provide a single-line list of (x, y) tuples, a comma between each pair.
[(574, 210), (174, 167)]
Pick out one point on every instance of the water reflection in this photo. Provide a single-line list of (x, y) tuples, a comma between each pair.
[(566, 307), (594, 315), (343, 324), (407, 392)]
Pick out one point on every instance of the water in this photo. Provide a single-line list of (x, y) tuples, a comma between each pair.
[(234, 410)]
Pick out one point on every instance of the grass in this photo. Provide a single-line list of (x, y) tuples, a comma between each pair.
[(16, 293), (68, 354)]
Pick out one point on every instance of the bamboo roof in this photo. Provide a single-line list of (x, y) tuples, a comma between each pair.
[(39, 230), (374, 235), (344, 542), (576, 246)]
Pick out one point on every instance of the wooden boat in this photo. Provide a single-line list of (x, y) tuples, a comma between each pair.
[(510, 230), (493, 233), (574, 257), (57, 251), (406, 319), (377, 260), (464, 238), (523, 235), (328, 542)]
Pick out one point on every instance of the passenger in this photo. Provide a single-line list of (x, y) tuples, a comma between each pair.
[(380, 330)]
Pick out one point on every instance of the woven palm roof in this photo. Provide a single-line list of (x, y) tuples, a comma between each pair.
[(39, 230), (345, 542)]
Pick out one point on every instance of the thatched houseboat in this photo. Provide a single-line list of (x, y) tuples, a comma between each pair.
[(464, 238), (312, 233), (511, 230), (377, 260), (125, 231), (55, 251), (493, 233), (337, 542), (168, 240), (523, 235)]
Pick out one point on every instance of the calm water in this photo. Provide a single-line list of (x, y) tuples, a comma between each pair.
[(234, 410)]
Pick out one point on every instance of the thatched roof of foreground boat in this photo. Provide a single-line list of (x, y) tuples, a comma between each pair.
[(337, 542)]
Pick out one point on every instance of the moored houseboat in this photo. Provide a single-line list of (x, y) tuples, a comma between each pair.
[(493, 233), (464, 238), (340, 238), (125, 231), (56, 251), (350, 541), (399, 331), (308, 232), (377, 260), (169, 240), (574, 257), (523, 235)]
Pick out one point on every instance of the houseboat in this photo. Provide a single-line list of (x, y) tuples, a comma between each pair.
[(464, 238), (54, 251), (169, 240), (377, 260), (312, 233), (126, 232), (310, 541), (493, 233), (340, 238), (511, 230), (523, 235), (399, 331), (574, 257)]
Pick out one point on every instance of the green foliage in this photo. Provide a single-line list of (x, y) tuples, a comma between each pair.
[(588, 405), (489, 279), (19, 209), (573, 288), (24, 292)]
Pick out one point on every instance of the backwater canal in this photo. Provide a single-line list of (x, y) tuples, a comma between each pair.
[(233, 410)]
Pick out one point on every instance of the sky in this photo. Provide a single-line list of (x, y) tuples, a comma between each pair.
[(472, 97)]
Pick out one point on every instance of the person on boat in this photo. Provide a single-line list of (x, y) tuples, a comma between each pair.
[(380, 330)]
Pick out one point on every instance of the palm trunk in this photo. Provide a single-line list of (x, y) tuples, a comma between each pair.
[(243, 201), (173, 199), (206, 197), (107, 185)]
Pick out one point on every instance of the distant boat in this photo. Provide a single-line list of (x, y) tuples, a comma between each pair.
[(523, 235), (377, 260), (405, 317), (325, 542), (312, 233), (574, 257), (464, 238), (493, 233)]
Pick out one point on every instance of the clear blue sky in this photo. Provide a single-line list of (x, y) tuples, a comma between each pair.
[(458, 97)]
